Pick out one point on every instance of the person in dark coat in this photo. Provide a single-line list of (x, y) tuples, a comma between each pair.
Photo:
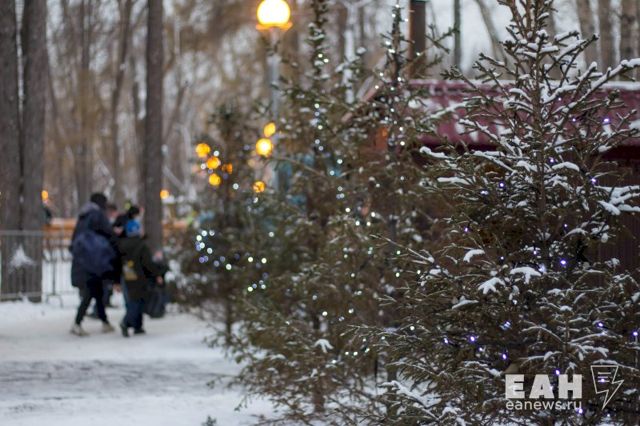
[(139, 271), (95, 260), (114, 281)]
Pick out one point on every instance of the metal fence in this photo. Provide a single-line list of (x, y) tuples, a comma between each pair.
[(34, 264)]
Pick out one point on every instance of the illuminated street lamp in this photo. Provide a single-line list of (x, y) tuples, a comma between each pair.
[(274, 14), (164, 194), (264, 147), (45, 195)]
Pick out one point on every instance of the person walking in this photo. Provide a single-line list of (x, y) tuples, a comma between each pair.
[(95, 259), (139, 271), (112, 281)]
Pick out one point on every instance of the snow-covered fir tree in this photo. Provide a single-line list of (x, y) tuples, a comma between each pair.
[(518, 283), (230, 234), (350, 190)]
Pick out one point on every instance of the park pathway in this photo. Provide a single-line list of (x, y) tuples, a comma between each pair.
[(48, 376)]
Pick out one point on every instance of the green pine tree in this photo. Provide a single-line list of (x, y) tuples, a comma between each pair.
[(519, 282)]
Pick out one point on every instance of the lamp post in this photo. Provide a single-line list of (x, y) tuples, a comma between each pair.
[(274, 18)]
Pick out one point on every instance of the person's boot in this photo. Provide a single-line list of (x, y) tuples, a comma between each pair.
[(124, 329), (107, 328), (78, 330), (139, 331)]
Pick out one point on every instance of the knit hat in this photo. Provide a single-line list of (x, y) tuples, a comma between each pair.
[(99, 199)]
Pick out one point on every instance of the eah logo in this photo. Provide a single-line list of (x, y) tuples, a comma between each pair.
[(541, 395), (564, 394), (604, 381)]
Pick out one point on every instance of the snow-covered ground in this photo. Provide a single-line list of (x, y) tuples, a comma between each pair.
[(49, 377)]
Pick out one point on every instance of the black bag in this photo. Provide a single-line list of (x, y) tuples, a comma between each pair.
[(157, 300)]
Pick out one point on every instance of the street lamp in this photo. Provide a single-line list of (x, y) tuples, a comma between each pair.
[(274, 13)]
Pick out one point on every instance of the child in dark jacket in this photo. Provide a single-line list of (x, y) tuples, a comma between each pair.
[(139, 271)]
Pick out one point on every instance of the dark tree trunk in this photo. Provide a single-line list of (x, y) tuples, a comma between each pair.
[(418, 36), (123, 44), (152, 156), (607, 48), (9, 140), (628, 29), (138, 125), (83, 153), (636, 37), (342, 13), (292, 46), (457, 42), (588, 29), (487, 18), (34, 48)]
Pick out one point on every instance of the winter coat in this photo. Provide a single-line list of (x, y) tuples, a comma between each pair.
[(138, 268), (93, 219)]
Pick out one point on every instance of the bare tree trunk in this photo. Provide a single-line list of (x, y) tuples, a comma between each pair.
[(60, 148), (628, 29), (457, 41), (123, 44), (9, 118), (152, 157), (9, 140), (588, 29), (491, 28), (552, 30), (362, 33), (418, 37), (607, 47), (138, 125), (342, 30), (34, 47), (83, 166), (291, 45)]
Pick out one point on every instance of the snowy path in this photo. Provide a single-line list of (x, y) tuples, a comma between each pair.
[(48, 376)]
